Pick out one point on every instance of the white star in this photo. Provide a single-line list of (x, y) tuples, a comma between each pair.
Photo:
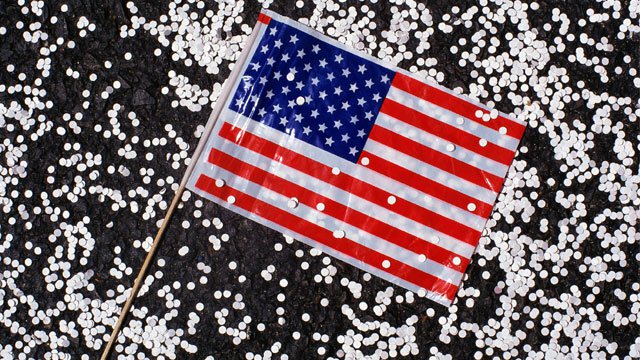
[(361, 133), (283, 121), (331, 109), (330, 76), (277, 75), (293, 71), (337, 91), (315, 81), (277, 43), (307, 99), (264, 49), (276, 108), (329, 141), (301, 53), (339, 58), (263, 80), (255, 66), (322, 127), (368, 115), (285, 57), (353, 87), (376, 97), (337, 124), (285, 90), (298, 118), (261, 112), (323, 63), (368, 83), (299, 85), (385, 78), (307, 67), (361, 102), (345, 105), (269, 94), (239, 102), (346, 72), (293, 39), (273, 31), (315, 49), (354, 119), (353, 151), (254, 98), (270, 61), (362, 69), (314, 113), (306, 130), (291, 104), (322, 95), (345, 137)]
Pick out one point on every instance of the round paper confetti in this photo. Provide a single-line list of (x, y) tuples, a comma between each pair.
[(95, 143)]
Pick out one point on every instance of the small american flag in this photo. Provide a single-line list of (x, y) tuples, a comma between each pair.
[(368, 163)]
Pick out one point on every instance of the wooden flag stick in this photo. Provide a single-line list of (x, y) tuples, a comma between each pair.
[(215, 114), (142, 273)]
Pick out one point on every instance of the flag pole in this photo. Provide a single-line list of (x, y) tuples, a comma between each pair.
[(183, 184), (142, 273)]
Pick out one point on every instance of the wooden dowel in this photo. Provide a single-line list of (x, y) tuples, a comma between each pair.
[(176, 198), (142, 273)]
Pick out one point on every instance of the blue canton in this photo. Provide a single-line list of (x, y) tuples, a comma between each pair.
[(315, 91)]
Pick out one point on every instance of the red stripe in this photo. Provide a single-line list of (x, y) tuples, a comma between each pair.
[(455, 104), (349, 183), (425, 185), (325, 237), (265, 19), (446, 131), (436, 158), (336, 210)]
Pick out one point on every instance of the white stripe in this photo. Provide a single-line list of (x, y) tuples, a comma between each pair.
[(327, 222), (345, 198), (328, 250), (438, 144), (386, 65), (462, 97), (374, 178), (348, 199), (366, 56), (451, 118), (394, 279), (431, 172)]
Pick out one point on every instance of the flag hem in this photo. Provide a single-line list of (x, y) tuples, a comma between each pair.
[(228, 88)]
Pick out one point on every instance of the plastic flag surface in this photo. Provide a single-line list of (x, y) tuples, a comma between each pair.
[(359, 159)]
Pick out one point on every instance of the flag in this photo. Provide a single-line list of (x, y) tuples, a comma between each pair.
[(359, 159)]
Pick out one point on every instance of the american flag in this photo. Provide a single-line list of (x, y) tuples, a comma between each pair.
[(365, 162)]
